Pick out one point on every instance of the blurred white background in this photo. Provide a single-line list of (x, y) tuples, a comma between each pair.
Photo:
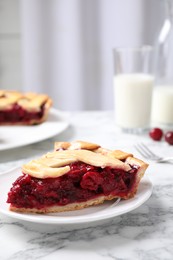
[(64, 47)]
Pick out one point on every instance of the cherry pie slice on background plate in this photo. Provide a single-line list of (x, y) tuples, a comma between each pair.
[(74, 176), (18, 108)]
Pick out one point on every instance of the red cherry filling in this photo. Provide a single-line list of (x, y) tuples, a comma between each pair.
[(17, 114), (81, 183), (156, 134)]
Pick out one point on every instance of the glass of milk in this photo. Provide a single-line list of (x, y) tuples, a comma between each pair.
[(133, 87)]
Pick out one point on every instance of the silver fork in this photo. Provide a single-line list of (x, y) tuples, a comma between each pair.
[(148, 154)]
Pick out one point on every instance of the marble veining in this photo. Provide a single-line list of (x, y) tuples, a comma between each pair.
[(145, 233)]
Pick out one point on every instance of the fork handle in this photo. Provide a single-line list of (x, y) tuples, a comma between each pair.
[(166, 159)]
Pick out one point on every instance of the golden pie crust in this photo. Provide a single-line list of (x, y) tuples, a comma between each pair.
[(30, 102), (56, 164), (69, 207)]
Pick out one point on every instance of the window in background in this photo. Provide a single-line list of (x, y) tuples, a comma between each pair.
[(66, 46), (10, 45)]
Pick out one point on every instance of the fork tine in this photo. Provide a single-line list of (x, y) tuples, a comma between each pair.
[(146, 152), (141, 151), (150, 152)]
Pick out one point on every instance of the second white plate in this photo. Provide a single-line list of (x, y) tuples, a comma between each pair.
[(16, 136), (105, 211)]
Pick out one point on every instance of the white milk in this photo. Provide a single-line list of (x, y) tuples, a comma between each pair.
[(133, 95), (162, 107)]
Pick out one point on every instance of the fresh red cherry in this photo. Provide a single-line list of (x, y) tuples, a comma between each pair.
[(169, 137), (156, 134)]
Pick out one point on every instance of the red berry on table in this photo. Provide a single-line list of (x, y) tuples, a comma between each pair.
[(156, 134), (169, 137)]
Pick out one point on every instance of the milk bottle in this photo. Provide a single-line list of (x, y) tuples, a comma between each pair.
[(162, 105)]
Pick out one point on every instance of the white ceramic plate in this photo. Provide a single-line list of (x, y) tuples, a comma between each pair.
[(105, 211), (16, 136)]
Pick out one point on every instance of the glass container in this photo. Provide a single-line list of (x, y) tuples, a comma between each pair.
[(162, 104)]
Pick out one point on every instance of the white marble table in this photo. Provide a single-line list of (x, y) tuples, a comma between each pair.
[(145, 233)]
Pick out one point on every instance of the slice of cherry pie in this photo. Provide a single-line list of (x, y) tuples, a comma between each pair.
[(17, 108), (76, 175)]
